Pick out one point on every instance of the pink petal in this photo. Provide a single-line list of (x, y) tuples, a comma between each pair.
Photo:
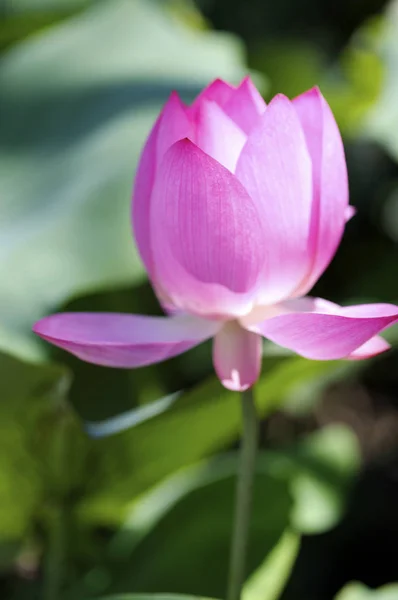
[(245, 105), (121, 340), (275, 168), (330, 182), (144, 180), (350, 212), (376, 345), (326, 336), (218, 135), (207, 238), (171, 126), (217, 91), (174, 125), (237, 356)]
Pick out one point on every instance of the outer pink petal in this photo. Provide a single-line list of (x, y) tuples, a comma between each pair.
[(121, 340), (207, 238), (275, 168), (171, 126), (175, 125), (245, 105), (327, 336), (237, 356), (330, 182), (217, 91), (144, 180), (218, 135), (376, 345)]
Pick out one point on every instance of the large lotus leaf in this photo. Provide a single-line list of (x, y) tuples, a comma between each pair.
[(194, 509), (76, 102), (178, 536), (197, 424)]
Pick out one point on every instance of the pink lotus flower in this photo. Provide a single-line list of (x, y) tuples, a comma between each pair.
[(238, 209)]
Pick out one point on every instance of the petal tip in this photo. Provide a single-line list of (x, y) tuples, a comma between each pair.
[(373, 347), (174, 96), (220, 80), (350, 212), (39, 327), (313, 93), (246, 81), (280, 98)]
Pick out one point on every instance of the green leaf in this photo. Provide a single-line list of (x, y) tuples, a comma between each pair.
[(326, 463), (353, 95), (201, 422), (268, 581), (177, 537), (77, 102), (193, 509), (151, 597), (28, 6), (357, 591), (32, 416), (382, 122)]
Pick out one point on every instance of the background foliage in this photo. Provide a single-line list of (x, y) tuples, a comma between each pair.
[(148, 509)]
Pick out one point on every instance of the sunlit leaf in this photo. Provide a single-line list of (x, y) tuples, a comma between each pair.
[(382, 122), (268, 581), (132, 418), (357, 591), (328, 460)]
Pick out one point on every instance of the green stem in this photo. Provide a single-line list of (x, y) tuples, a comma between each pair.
[(57, 526), (244, 494), (54, 563)]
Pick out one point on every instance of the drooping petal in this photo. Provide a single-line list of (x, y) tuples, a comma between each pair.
[(372, 347), (237, 356), (171, 126), (218, 135), (245, 105), (122, 340), (207, 237), (275, 169), (326, 336), (376, 345), (218, 91), (330, 182)]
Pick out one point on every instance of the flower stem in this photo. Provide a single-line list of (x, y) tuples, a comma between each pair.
[(54, 564), (244, 494)]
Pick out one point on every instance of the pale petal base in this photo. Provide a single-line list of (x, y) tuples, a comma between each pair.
[(237, 356)]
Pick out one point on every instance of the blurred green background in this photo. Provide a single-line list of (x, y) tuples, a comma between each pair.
[(149, 509)]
